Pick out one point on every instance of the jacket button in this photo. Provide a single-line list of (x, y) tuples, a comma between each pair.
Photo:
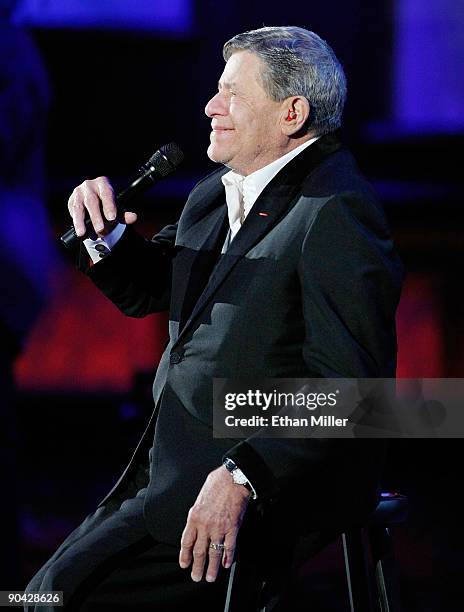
[(174, 358)]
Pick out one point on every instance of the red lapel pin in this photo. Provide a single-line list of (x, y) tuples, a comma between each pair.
[(263, 214)]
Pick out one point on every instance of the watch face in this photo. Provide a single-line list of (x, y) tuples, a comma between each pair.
[(239, 477)]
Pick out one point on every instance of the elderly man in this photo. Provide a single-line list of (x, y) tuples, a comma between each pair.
[(280, 265)]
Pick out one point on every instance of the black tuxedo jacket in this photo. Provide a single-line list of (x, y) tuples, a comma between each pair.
[(309, 289)]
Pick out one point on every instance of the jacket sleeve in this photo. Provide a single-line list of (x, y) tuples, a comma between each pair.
[(136, 276), (350, 282)]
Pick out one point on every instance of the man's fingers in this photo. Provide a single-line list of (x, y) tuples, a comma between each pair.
[(107, 198), (71, 203), (185, 556), (186, 547), (96, 197), (77, 212), (92, 204), (228, 556), (230, 542), (200, 552), (224, 553), (216, 555)]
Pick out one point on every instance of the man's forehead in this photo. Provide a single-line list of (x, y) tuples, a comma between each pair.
[(239, 65)]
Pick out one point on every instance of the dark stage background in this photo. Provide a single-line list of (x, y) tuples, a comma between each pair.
[(120, 86)]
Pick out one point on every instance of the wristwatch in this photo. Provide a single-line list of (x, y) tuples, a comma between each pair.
[(238, 476)]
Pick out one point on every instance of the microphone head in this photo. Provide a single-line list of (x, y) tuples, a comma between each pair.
[(166, 159)]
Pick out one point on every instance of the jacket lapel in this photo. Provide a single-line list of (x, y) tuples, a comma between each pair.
[(275, 201), (204, 210), (200, 264), (200, 235)]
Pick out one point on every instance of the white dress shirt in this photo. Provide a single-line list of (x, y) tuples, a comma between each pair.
[(240, 190), (245, 190)]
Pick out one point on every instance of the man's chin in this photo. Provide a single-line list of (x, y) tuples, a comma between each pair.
[(217, 156)]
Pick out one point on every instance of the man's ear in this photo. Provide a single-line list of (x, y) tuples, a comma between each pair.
[(294, 114)]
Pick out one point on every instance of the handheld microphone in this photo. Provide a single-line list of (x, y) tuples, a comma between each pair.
[(160, 164)]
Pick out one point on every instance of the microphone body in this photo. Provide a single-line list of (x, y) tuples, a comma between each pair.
[(160, 164)]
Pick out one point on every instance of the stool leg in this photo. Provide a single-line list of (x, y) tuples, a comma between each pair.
[(386, 572), (357, 571), (230, 587), (244, 588)]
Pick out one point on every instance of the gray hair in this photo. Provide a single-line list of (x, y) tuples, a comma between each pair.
[(298, 62)]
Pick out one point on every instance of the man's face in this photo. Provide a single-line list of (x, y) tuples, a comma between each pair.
[(246, 132)]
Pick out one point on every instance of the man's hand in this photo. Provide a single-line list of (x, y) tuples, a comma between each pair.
[(97, 197), (215, 517)]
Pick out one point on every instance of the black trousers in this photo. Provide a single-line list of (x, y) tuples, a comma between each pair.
[(110, 562)]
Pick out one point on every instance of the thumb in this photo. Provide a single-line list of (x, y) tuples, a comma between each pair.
[(130, 217)]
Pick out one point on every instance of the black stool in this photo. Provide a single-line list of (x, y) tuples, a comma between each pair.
[(365, 594), (384, 594)]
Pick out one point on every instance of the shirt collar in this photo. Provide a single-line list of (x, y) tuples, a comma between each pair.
[(250, 187)]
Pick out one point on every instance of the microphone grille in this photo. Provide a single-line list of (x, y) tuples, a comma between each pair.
[(167, 158)]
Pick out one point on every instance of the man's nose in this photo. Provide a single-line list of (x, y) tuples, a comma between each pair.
[(215, 106)]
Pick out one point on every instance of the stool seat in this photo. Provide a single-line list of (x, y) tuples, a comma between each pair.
[(392, 510), (365, 594)]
